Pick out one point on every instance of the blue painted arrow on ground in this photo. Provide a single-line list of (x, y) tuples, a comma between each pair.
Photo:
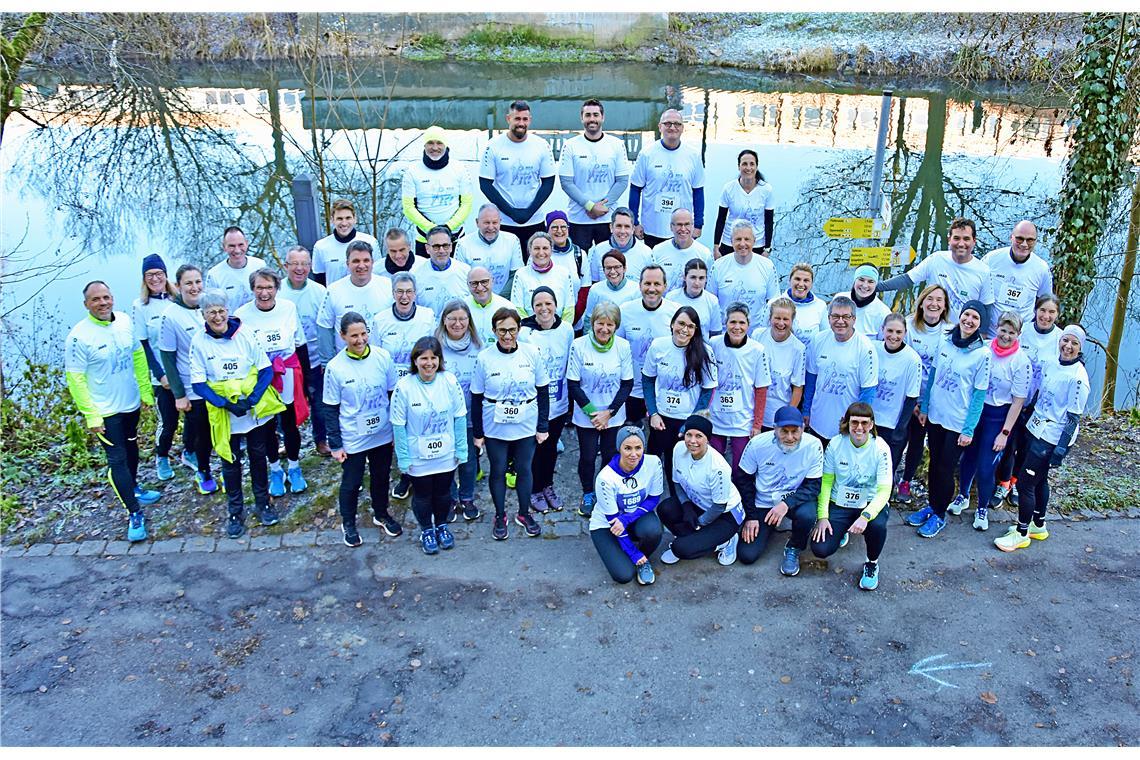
[(924, 668)]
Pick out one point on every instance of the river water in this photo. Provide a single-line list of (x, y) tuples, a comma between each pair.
[(86, 200)]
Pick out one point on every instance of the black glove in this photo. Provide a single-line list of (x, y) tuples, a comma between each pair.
[(236, 408)]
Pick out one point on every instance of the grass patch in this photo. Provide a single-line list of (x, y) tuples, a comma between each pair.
[(496, 35), (971, 63)]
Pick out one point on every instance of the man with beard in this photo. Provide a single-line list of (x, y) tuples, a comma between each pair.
[(594, 172)]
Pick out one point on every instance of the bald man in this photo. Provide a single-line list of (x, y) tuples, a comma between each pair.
[(1018, 274), (668, 175)]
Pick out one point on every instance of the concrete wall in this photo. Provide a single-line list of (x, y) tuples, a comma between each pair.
[(600, 30)]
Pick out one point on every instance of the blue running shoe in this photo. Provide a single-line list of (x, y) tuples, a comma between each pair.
[(932, 527), (189, 459), (297, 482), (146, 496), (162, 468), (645, 575), (845, 540), (588, 502), (429, 542), (791, 564), (918, 518), (276, 482), (136, 527), (443, 535), (206, 485), (870, 579)]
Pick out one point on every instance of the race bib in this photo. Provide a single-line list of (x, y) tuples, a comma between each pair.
[(435, 446), (666, 204), (555, 391), (671, 402), (510, 412), (852, 498), (1012, 295), (370, 423), (731, 401)]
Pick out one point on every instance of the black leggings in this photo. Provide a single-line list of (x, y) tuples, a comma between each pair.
[(589, 441), (198, 431), (896, 447), (803, 520), (521, 452), (635, 411), (120, 439), (585, 235), (1017, 446), (661, 443), (653, 241), (546, 455), (646, 535), (167, 422), (1033, 482), (841, 519), (290, 433), (914, 447), (945, 454), (258, 470), (431, 498), (379, 460), (693, 541), (524, 233)]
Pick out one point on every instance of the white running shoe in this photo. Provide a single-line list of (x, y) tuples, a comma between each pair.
[(726, 552), (669, 558), (958, 505)]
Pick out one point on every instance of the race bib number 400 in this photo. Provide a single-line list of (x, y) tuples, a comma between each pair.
[(435, 446)]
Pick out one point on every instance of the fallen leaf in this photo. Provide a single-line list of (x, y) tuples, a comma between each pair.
[(989, 697), (65, 621), (1030, 652), (757, 629), (1088, 550), (42, 689), (390, 591), (551, 606), (1039, 725), (415, 663), (287, 711), (785, 679)]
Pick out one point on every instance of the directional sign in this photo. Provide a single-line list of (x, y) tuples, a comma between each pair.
[(856, 228), (882, 256)]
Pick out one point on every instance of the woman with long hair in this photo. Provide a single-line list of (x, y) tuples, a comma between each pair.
[(747, 196), (925, 329)]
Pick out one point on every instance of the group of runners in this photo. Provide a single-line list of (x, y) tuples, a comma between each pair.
[(707, 395)]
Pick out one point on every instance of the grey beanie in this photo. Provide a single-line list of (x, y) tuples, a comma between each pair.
[(626, 431)]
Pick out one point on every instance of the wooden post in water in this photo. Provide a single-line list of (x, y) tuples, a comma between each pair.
[(305, 210)]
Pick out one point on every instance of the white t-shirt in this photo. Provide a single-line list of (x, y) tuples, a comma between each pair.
[(105, 354), (517, 171), (925, 343), (1010, 376), (842, 370), (963, 282), (361, 387), (594, 166), (437, 192), (509, 384), (900, 378), (753, 284), (706, 481), (554, 348), (810, 318), (787, 363), (739, 372), (780, 472), (398, 336), (1064, 389), (868, 319), (461, 364), (233, 282), (673, 260), (638, 257), (330, 256), (957, 373), (666, 361), (1039, 348), (279, 333), (1017, 286), (557, 278), (573, 260), (706, 306), (428, 412), (308, 301), (668, 178), (618, 493), (179, 325), (746, 205), (641, 327), (342, 297), (481, 316), (217, 359), (600, 375), (602, 292), (146, 321), (434, 288), (858, 471), (501, 256)]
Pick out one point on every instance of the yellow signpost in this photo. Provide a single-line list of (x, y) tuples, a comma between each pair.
[(882, 256), (854, 227)]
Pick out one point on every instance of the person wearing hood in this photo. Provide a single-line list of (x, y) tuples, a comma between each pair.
[(231, 372), (1051, 431), (435, 190), (624, 527), (552, 336), (869, 310), (950, 407)]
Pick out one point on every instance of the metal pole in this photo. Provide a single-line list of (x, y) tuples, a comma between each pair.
[(305, 210), (876, 201)]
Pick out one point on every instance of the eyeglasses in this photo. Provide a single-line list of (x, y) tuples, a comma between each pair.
[(440, 246), (216, 313), (558, 227), (858, 422), (506, 330), (614, 268), (673, 124), (687, 326), (453, 319), (154, 275), (841, 317), (404, 292), (478, 283), (1025, 240)]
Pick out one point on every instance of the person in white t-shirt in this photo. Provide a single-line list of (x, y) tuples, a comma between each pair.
[(429, 427), (434, 191), (439, 278), (157, 293), (691, 291), (615, 289), (842, 368), (330, 253), (461, 347), (749, 197), (637, 254), (593, 172), (517, 174), (667, 175), (308, 296), (743, 376), (869, 310), (744, 276), (566, 253), (231, 275), (787, 358), (900, 382), (541, 271), (363, 292), (492, 248), (484, 303), (811, 310), (1019, 275), (925, 330), (673, 254), (642, 321)]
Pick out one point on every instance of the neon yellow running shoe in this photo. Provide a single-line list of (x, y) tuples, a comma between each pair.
[(1040, 534), (1012, 540)]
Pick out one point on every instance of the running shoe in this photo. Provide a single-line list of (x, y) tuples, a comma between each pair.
[(453, 512), (146, 496), (726, 552), (645, 574), (1012, 497), (528, 523), (235, 526), (791, 564), (136, 527), (297, 482), (588, 501), (960, 503), (845, 540), (553, 499), (1012, 540), (402, 487), (499, 528), (1002, 490), (932, 527), (268, 516), (390, 526), (429, 542), (902, 493), (538, 503), (669, 558), (206, 485), (470, 511), (163, 469), (982, 518), (480, 474), (276, 482), (512, 479), (916, 519), (1038, 533), (351, 536), (189, 459), (443, 535), (869, 581)]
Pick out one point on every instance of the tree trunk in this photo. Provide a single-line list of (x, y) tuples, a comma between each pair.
[(13, 52), (1120, 313)]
